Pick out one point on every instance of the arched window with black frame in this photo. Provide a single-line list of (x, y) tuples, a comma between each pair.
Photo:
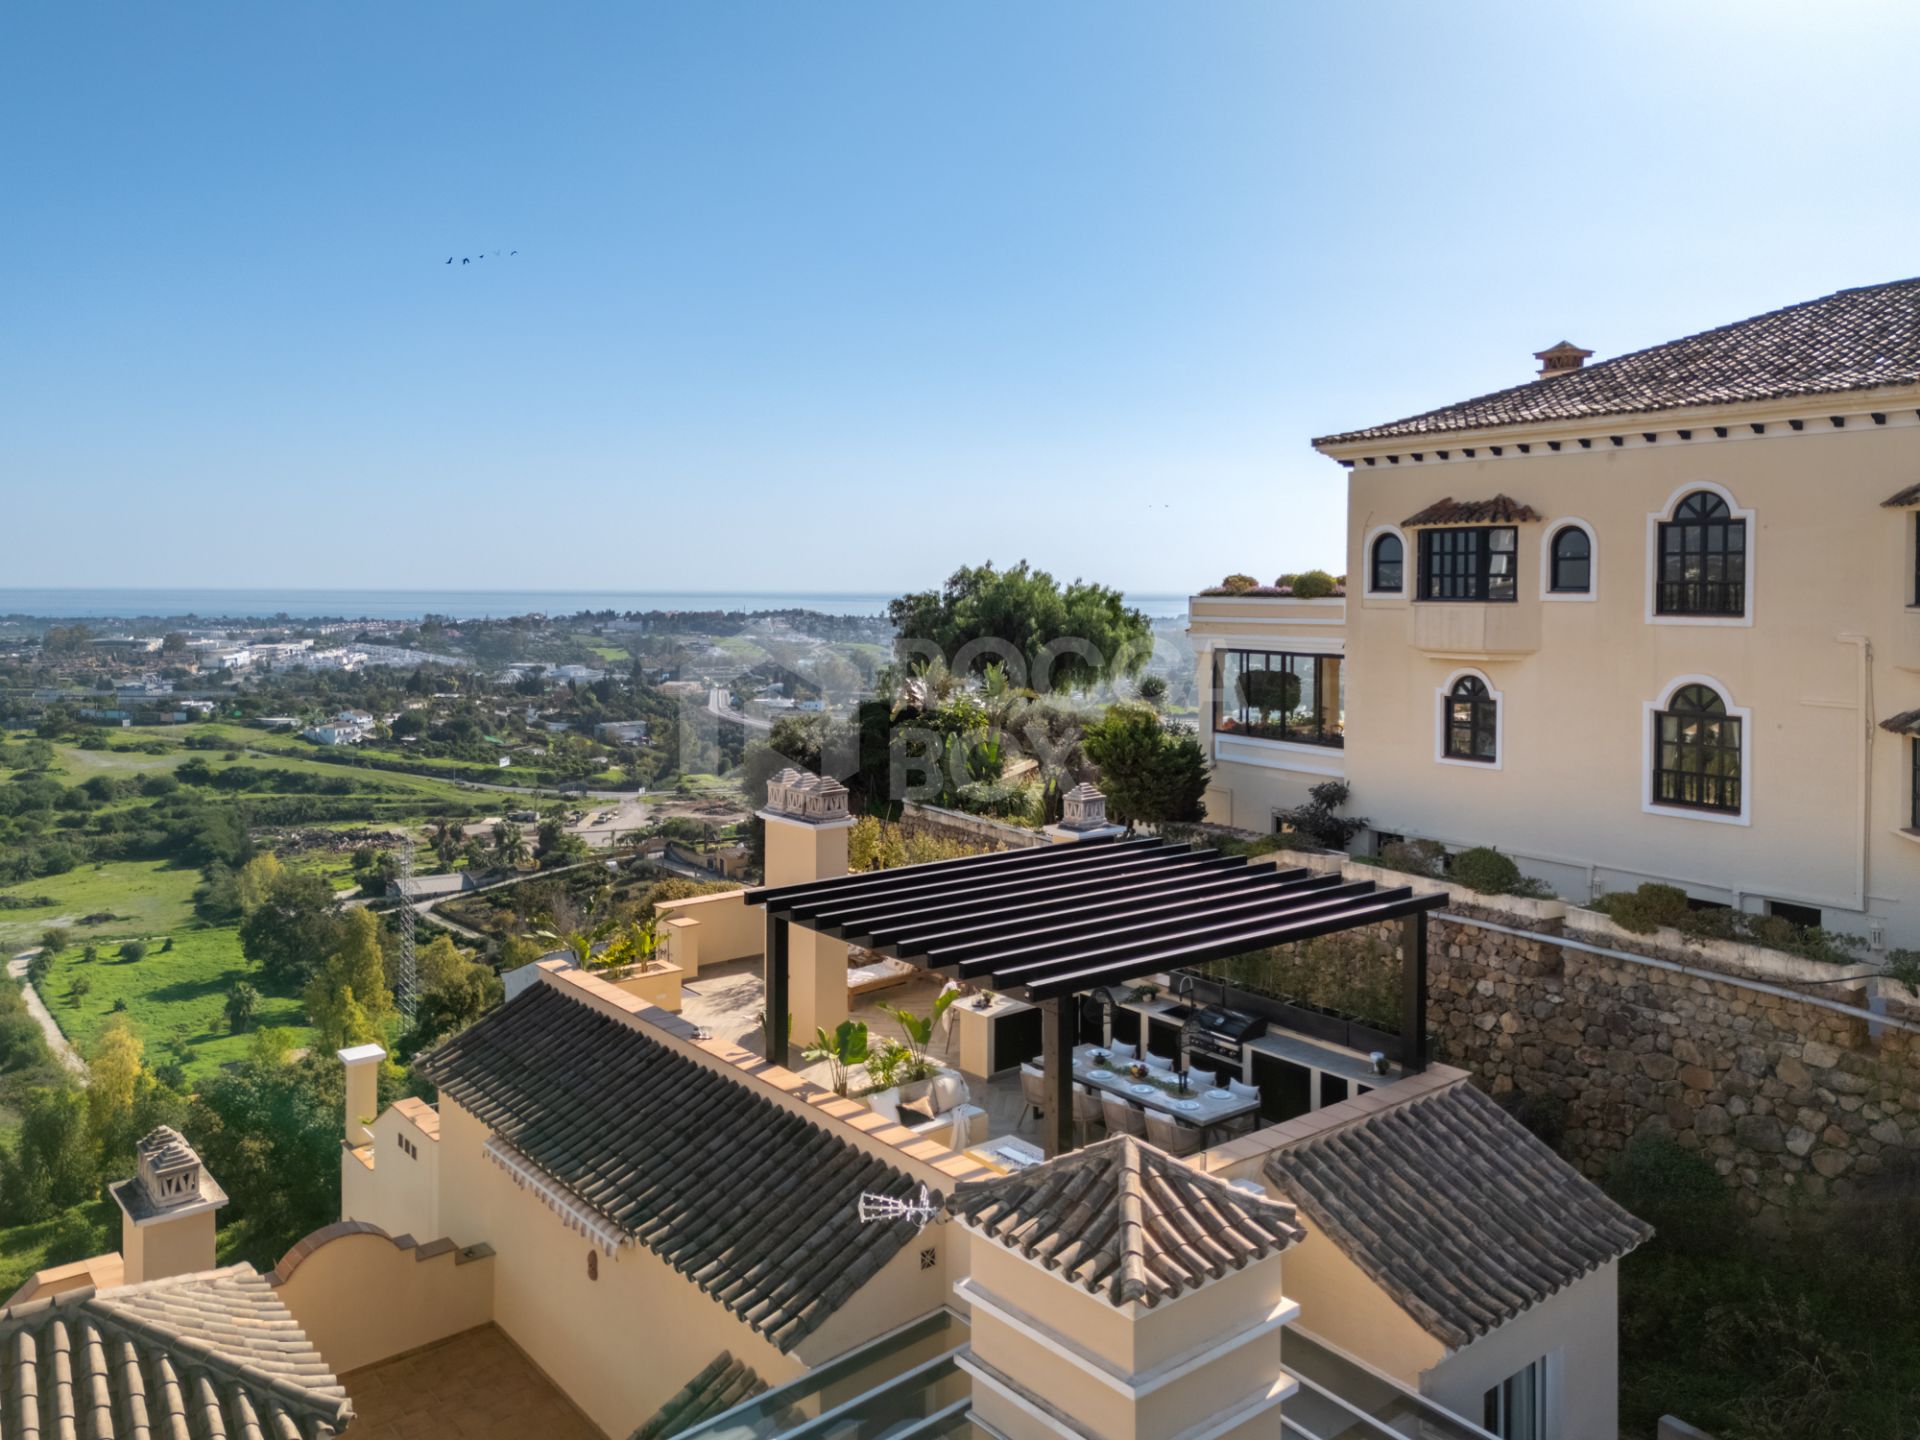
[(1470, 721), (1388, 569), (1696, 752), (1572, 571), (1703, 559)]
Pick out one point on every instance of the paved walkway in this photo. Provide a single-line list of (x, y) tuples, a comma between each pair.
[(56, 1037)]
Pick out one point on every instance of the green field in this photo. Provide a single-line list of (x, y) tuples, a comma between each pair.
[(174, 1000), (146, 897)]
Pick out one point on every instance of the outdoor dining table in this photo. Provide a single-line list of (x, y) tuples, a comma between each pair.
[(1200, 1105)]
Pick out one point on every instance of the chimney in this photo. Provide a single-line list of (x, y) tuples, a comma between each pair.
[(1083, 816), (1561, 358), (807, 823), (167, 1210), (363, 1090)]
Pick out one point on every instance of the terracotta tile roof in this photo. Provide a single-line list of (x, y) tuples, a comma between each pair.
[(1500, 510), (1852, 340), (722, 1383), (1454, 1209), (1907, 722), (754, 1203), (425, 1118), (209, 1355), (1127, 1221), (1900, 498)]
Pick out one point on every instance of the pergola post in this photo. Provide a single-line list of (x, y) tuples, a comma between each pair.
[(777, 987), (1057, 1032), (1413, 992)]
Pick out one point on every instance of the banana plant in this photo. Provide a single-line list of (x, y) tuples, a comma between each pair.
[(843, 1049), (918, 1029)]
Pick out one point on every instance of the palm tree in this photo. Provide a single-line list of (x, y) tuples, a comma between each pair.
[(509, 844), (446, 837)]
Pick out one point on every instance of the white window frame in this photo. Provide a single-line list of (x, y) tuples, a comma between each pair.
[(1651, 581), (1549, 1383), (1650, 708), (1366, 564), (1552, 532), (1440, 698)]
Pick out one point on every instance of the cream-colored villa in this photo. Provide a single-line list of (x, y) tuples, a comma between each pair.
[(622, 1219), (1652, 618)]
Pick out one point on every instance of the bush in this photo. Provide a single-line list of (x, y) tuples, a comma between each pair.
[(1414, 857), (1491, 873), (1677, 1192), (1238, 584), (1312, 585), (1486, 870), (1317, 820), (991, 797), (133, 951), (1646, 909)]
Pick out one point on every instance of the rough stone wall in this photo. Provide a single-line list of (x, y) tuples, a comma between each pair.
[(968, 829), (1793, 1103)]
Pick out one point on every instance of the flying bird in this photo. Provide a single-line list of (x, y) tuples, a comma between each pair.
[(449, 259), (465, 261)]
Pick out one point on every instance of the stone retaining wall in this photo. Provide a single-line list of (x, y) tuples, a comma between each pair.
[(969, 829), (1793, 1103)]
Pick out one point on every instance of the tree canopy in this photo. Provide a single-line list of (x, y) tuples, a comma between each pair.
[(1148, 770), (1048, 635)]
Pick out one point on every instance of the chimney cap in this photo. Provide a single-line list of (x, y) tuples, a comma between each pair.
[(170, 1182), (1558, 359), (795, 794)]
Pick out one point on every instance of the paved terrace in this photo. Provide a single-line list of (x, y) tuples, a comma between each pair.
[(476, 1386), (728, 1000)]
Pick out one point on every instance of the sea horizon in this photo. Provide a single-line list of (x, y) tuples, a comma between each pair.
[(207, 603)]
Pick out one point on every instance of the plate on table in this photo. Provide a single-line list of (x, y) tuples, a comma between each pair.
[(1186, 1104), (1144, 1090), (1100, 1074), (1220, 1094)]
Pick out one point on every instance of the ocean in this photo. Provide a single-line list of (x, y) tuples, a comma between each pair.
[(211, 604)]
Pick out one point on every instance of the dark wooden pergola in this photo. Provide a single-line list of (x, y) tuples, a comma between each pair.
[(1046, 924)]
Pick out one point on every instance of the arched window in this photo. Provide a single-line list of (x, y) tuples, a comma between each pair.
[(1696, 752), (1703, 559), (1470, 721), (1572, 562), (1389, 564)]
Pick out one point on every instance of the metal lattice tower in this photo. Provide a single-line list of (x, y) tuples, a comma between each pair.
[(406, 979)]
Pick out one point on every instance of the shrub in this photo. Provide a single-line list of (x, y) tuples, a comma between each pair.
[(1646, 909), (1238, 584), (1316, 819), (1677, 1192), (1491, 873), (133, 951), (991, 797), (1486, 870), (1414, 857), (1313, 585)]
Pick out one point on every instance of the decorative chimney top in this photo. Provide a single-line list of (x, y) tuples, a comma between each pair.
[(1083, 808), (169, 1180), (1559, 359), (815, 799)]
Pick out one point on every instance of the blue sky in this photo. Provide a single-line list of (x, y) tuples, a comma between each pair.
[(838, 296)]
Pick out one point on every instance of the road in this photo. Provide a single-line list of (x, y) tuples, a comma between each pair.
[(56, 1037), (718, 704)]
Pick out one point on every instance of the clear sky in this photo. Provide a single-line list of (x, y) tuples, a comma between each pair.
[(841, 296)]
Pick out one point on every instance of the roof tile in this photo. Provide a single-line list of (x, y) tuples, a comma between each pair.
[(1852, 340), (1453, 1208), (753, 1202), (1127, 1221)]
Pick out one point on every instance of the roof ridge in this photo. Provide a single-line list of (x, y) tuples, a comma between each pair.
[(1478, 412)]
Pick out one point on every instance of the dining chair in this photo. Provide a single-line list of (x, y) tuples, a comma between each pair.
[(1243, 1092), (1205, 1079), (1087, 1111), (1157, 1062), (1123, 1053), (1171, 1135), (1033, 1090), (1123, 1117)]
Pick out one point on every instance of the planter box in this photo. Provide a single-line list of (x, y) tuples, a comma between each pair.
[(659, 986), (1531, 912), (1753, 961)]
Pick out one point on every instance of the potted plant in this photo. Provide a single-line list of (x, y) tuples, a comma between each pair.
[(916, 1070), (843, 1049)]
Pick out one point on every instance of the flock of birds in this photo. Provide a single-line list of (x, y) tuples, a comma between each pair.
[(469, 259)]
